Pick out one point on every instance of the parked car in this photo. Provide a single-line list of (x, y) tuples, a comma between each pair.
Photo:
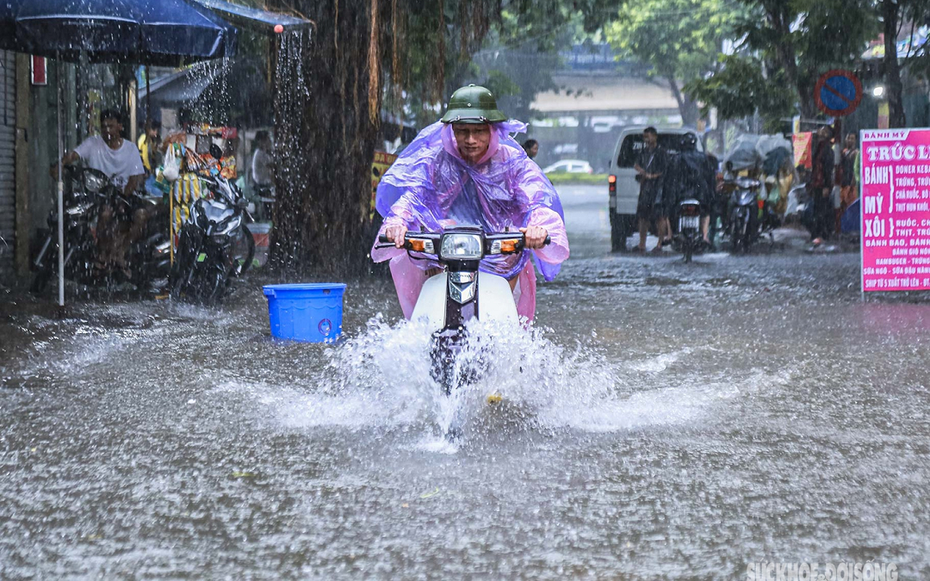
[(569, 166), (623, 189)]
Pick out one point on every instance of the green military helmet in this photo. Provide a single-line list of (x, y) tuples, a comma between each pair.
[(473, 104)]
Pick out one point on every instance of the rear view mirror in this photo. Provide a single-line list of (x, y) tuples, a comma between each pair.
[(215, 151)]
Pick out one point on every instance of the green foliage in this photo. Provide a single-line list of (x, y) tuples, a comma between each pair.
[(510, 46), (795, 41), (740, 89), (917, 60), (679, 39)]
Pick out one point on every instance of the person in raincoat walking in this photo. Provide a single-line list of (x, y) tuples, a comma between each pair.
[(466, 169)]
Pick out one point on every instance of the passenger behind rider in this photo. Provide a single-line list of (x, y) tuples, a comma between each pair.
[(468, 170), (119, 159)]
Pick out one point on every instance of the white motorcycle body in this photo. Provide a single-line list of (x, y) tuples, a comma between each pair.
[(495, 299)]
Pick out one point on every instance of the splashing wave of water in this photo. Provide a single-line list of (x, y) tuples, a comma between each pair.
[(381, 378)]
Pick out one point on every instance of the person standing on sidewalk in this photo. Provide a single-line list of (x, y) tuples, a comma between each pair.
[(650, 169), (821, 187), (849, 177)]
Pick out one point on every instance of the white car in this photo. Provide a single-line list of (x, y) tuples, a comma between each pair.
[(569, 166)]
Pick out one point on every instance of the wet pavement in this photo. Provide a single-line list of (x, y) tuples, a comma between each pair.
[(663, 420)]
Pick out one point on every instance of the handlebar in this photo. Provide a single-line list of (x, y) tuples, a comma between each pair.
[(409, 236)]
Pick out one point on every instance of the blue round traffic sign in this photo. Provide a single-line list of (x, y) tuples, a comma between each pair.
[(837, 92)]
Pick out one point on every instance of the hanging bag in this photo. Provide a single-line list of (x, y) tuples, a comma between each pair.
[(172, 169)]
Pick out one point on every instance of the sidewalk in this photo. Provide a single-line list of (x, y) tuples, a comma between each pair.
[(795, 237)]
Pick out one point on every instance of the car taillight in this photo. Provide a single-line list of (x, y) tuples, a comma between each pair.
[(612, 184)]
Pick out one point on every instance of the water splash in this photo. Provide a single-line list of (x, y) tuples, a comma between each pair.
[(381, 379)]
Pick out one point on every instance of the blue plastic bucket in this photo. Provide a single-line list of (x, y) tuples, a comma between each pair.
[(305, 312)]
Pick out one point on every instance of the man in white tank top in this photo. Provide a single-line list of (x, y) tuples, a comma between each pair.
[(119, 159)]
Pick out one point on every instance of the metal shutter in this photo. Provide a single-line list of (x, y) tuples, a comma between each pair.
[(7, 142)]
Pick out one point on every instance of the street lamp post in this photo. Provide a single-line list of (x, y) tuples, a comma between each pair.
[(878, 92)]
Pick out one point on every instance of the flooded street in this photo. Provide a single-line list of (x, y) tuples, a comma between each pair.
[(663, 420)]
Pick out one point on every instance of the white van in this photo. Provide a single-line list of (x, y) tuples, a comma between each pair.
[(623, 188)]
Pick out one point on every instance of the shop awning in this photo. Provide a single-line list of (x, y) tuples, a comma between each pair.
[(256, 19), (181, 87)]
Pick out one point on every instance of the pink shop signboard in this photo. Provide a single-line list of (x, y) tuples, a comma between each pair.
[(895, 209)]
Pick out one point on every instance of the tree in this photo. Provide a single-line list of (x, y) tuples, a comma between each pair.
[(521, 53), (404, 55), (893, 14), (329, 91), (741, 89), (890, 12), (794, 41), (680, 39)]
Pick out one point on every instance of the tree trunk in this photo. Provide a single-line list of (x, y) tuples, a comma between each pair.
[(327, 108), (786, 55), (892, 69), (686, 106)]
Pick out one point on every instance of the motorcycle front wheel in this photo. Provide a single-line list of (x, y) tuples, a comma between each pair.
[(739, 235), (213, 285), (243, 251), (185, 261), (752, 229)]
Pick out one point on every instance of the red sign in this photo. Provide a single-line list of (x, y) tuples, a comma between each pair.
[(895, 209), (38, 68), (837, 92)]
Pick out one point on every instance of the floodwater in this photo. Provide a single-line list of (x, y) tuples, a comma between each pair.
[(663, 420)]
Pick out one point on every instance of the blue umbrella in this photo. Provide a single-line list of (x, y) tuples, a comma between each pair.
[(152, 32)]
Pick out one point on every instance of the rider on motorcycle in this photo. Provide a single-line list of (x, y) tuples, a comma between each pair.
[(119, 159), (467, 170), (696, 177)]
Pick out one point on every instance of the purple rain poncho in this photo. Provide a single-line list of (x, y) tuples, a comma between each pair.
[(423, 190)]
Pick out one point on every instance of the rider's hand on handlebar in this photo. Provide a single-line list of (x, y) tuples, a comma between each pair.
[(535, 236), (396, 235)]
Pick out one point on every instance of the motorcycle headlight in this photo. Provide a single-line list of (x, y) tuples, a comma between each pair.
[(461, 247), (93, 183)]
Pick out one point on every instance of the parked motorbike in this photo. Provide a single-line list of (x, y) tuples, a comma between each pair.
[(214, 245), (461, 292), (689, 239), (744, 209), (89, 192)]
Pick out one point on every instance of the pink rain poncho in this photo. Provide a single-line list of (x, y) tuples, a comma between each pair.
[(430, 187)]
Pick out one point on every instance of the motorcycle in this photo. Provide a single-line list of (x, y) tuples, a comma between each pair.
[(689, 239), (460, 293), (744, 220), (214, 245), (89, 193)]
